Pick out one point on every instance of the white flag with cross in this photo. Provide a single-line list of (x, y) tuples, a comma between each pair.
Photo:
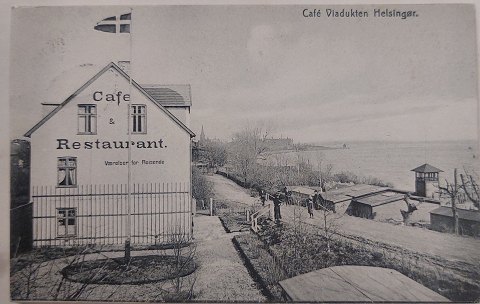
[(116, 24)]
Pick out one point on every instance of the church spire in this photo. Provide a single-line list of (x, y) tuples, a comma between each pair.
[(202, 136)]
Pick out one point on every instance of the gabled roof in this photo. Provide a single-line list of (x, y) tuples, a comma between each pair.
[(426, 168), (121, 72), (170, 95)]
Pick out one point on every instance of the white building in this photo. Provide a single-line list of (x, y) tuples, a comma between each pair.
[(79, 164)]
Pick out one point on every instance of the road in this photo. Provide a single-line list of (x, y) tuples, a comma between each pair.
[(447, 246)]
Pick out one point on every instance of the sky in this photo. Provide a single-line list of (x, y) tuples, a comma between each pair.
[(312, 79)]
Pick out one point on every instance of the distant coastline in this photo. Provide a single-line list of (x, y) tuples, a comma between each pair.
[(302, 148)]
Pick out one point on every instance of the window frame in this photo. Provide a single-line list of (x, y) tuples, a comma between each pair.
[(91, 115), (66, 219), (67, 170), (141, 115)]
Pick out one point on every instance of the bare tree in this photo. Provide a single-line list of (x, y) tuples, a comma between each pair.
[(184, 253), (246, 148), (330, 225), (324, 173), (410, 209), (330, 219), (214, 153), (41, 274), (452, 190), (298, 240), (470, 187)]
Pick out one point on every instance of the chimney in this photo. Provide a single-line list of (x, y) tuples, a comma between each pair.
[(125, 66)]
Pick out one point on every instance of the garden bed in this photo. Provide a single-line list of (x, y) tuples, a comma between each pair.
[(300, 250), (234, 222), (140, 270), (232, 215), (261, 265)]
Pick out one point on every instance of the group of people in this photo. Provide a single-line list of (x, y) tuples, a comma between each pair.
[(312, 201), (276, 203)]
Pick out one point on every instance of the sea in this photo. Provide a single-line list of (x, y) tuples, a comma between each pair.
[(390, 161)]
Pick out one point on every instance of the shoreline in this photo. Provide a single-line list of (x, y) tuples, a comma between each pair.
[(306, 149)]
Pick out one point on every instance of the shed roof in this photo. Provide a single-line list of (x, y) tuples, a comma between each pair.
[(381, 198), (471, 215), (169, 95), (426, 168), (307, 190), (347, 193), (359, 284)]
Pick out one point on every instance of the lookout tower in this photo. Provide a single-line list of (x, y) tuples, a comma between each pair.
[(426, 180)]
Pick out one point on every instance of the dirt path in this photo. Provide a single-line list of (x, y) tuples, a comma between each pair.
[(227, 190), (447, 246), (221, 275)]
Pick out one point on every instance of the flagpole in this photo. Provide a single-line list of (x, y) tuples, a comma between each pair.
[(129, 190)]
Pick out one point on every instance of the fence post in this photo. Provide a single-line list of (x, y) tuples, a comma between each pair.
[(127, 252), (211, 206), (248, 215), (270, 213)]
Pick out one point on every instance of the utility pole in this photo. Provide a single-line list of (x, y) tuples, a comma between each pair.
[(454, 203), (129, 177), (452, 191)]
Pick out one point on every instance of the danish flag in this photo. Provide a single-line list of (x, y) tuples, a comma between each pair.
[(115, 24)]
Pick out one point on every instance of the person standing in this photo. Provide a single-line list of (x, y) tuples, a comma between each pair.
[(276, 207), (261, 192), (315, 199), (285, 193), (310, 207)]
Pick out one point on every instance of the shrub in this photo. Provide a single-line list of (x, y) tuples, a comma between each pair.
[(202, 189)]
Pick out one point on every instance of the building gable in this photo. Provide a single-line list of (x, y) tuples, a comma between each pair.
[(92, 80)]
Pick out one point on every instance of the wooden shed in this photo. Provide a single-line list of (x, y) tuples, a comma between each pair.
[(339, 200), (441, 219), (357, 284), (302, 193)]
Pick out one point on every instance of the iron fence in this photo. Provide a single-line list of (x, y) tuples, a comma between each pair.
[(99, 214)]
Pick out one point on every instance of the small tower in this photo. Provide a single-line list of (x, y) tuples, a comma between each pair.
[(426, 180)]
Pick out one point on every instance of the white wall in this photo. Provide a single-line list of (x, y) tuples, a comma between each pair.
[(91, 162), (91, 167), (182, 113)]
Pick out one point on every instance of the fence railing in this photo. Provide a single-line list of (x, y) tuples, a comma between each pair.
[(255, 216), (101, 214)]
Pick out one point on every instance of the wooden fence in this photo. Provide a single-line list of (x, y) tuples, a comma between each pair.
[(98, 214)]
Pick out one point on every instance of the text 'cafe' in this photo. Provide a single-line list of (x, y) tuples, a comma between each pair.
[(80, 164)]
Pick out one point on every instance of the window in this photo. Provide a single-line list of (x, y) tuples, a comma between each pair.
[(67, 171), (139, 119), (87, 119), (66, 222)]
